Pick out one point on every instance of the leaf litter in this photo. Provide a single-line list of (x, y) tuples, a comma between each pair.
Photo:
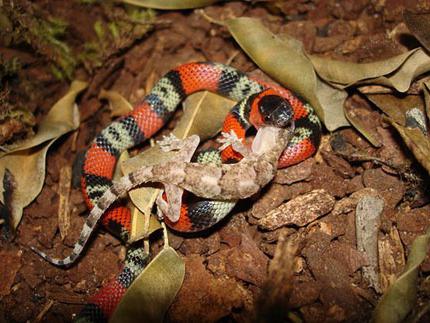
[(316, 294)]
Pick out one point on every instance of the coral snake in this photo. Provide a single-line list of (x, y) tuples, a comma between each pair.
[(149, 116)]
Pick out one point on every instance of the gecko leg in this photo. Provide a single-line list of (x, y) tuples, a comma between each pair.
[(231, 138), (186, 149)]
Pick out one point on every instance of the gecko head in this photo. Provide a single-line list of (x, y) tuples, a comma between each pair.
[(276, 111)]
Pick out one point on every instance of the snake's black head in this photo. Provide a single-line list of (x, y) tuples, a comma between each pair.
[(276, 111)]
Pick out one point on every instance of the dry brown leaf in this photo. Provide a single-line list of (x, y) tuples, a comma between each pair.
[(27, 161), (361, 126), (417, 142), (285, 60), (419, 25), (117, 103), (204, 114), (395, 107), (397, 72), (426, 90), (343, 74), (171, 4)]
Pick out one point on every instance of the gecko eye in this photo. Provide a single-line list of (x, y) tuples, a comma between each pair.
[(276, 111)]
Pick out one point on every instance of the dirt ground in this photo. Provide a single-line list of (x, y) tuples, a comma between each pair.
[(232, 259)]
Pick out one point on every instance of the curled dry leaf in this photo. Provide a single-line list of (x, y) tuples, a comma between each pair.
[(7, 230), (343, 74), (395, 107), (152, 292), (117, 103), (27, 161), (361, 126), (419, 25), (367, 221), (299, 211), (285, 60), (400, 298), (426, 90), (204, 114), (417, 142), (397, 72), (171, 4)]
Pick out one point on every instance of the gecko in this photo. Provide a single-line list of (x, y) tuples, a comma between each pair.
[(227, 181)]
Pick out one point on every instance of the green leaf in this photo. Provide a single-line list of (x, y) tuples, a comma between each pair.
[(171, 4), (27, 160), (400, 297), (152, 292), (285, 61)]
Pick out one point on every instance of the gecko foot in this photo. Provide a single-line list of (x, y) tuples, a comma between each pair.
[(171, 142), (231, 138)]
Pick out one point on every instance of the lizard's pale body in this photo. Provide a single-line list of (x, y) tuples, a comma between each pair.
[(225, 182)]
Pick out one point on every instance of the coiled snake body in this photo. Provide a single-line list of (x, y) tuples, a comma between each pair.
[(155, 110), (255, 109)]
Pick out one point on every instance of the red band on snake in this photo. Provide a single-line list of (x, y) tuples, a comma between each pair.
[(158, 106)]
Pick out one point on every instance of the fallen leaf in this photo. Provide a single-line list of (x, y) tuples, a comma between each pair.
[(419, 25), (344, 74), (285, 60), (152, 292), (117, 103), (397, 72), (394, 106), (204, 114), (417, 142), (62, 118), (170, 4), (361, 126), (426, 90), (7, 230), (401, 296), (27, 161)]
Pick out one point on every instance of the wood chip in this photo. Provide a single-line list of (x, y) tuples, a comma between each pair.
[(64, 187), (299, 211), (367, 220)]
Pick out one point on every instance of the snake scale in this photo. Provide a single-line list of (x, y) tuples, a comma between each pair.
[(255, 109), (152, 113)]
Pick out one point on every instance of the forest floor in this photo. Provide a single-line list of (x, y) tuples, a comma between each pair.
[(327, 284)]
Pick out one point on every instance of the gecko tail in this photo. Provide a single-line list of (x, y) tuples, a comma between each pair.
[(56, 261), (111, 195)]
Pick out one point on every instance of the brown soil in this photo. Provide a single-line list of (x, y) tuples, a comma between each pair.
[(232, 260)]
